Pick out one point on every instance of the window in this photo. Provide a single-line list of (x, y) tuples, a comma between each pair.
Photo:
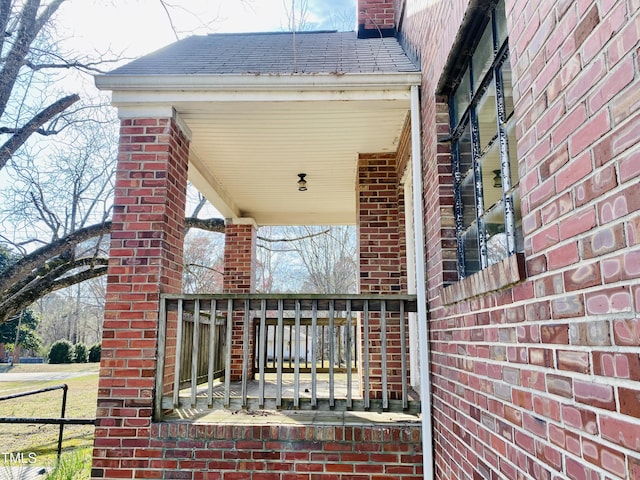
[(485, 166)]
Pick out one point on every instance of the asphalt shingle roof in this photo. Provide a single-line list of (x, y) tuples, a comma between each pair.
[(273, 53)]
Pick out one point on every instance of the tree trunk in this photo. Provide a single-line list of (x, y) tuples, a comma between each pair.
[(16, 344)]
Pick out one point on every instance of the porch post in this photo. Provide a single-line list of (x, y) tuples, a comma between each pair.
[(421, 285), (145, 260), (381, 261), (239, 277)]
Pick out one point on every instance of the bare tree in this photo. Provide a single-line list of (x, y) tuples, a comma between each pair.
[(56, 266), (59, 196), (66, 187), (203, 263), (342, 20), (330, 259), (73, 313), (178, 12), (28, 58), (63, 203), (54, 310), (326, 253), (297, 12)]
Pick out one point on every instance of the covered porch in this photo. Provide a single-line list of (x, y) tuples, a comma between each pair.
[(243, 125)]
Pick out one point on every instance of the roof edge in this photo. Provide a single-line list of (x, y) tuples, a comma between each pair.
[(257, 82)]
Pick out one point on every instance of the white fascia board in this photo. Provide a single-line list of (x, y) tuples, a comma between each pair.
[(154, 104), (253, 82), (136, 96), (148, 103)]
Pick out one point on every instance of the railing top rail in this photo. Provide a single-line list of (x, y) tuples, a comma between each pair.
[(288, 296), (323, 302)]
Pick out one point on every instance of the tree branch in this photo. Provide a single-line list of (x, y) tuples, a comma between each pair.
[(208, 224), (17, 140), (89, 67), (205, 267), (51, 283), (41, 271), (23, 267), (276, 240), (166, 10)]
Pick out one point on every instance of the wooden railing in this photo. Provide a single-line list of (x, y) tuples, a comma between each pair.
[(283, 351), (209, 350)]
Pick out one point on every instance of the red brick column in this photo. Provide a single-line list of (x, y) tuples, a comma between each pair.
[(239, 277), (145, 260), (381, 261)]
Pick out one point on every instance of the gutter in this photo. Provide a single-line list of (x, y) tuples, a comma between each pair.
[(423, 329), (259, 82)]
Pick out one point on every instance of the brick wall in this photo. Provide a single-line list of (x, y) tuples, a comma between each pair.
[(379, 221), (376, 18), (240, 258), (145, 261), (282, 452), (540, 380), (382, 260)]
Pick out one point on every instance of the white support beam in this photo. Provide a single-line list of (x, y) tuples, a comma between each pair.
[(423, 328), (209, 186)]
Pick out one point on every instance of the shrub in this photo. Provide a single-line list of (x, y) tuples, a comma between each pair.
[(94, 352), (61, 352), (80, 351)]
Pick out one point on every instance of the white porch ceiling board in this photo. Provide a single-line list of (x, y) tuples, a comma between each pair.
[(255, 151)]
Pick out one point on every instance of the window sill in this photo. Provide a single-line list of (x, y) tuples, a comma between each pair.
[(498, 276)]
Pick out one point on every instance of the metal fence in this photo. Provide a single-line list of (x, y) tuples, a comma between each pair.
[(61, 421)]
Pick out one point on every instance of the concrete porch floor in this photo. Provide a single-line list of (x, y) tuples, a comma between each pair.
[(287, 413), (223, 416)]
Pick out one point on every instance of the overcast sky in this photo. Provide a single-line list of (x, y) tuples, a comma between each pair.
[(142, 26)]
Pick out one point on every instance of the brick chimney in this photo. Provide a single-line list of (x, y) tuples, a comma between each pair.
[(376, 18)]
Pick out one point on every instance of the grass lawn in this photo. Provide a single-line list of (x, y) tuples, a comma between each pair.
[(40, 442)]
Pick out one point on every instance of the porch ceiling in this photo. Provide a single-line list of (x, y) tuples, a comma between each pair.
[(246, 156), (253, 132)]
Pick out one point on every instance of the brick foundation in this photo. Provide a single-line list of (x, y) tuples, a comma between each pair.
[(282, 452)]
